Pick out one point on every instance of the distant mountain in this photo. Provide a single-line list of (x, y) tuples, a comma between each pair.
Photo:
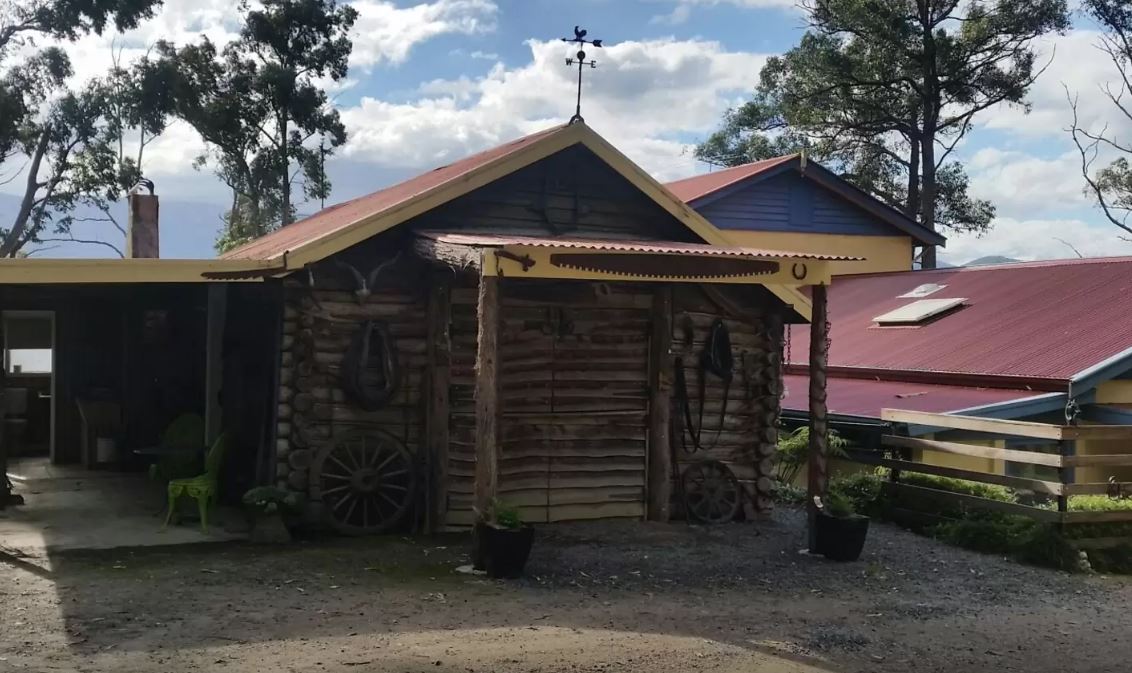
[(992, 259)]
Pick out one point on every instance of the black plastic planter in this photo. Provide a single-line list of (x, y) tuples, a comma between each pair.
[(841, 538), (502, 552)]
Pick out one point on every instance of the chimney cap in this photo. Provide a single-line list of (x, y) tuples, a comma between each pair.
[(142, 182)]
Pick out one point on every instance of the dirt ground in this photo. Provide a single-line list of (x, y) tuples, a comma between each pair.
[(600, 597)]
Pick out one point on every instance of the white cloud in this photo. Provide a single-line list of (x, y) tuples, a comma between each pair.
[(644, 97), (1075, 63), (683, 9), (1020, 184), (385, 32), (1030, 239)]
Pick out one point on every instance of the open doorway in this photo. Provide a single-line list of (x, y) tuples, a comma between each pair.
[(29, 383)]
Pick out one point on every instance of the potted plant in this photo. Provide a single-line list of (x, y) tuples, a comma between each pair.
[(840, 532), (502, 542), (268, 506)]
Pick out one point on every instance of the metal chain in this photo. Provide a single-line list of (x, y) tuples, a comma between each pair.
[(782, 366), (1072, 409)]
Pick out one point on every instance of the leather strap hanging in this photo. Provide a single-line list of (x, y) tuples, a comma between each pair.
[(715, 359), (357, 361)]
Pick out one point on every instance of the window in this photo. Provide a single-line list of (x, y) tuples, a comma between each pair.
[(922, 291), (27, 344), (919, 311)]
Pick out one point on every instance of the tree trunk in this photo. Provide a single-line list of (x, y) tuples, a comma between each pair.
[(912, 204), (15, 238), (931, 109), (285, 160), (928, 196)]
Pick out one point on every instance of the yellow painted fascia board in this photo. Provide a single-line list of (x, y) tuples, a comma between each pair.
[(481, 176), (682, 212), (478, 177), (58, 271), (819, 271)]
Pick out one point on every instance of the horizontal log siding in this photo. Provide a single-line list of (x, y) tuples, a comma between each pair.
[(312, 406), (575, 405), (747, 439)]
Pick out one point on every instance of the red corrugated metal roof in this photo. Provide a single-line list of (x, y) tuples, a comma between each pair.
[(337, 217), (866, 397), (659, 247), (1048, 320), (699, 186)]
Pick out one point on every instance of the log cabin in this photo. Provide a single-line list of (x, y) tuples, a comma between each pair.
[(542, 323)]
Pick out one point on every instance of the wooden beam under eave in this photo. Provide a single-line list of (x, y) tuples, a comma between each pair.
[(660, 406), (818, 474), (463, 257), (487, 393)]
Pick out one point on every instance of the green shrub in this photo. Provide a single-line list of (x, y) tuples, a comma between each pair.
[(788, 494), (989, 491), (794, 449), (504, 515), (864, 490), (1098, 503), (984, 532), (1044, 545)]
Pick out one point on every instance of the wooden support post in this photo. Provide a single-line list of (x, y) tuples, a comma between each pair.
[(214, 360), (439, 368), (487, 393), (1067, 475), (818, 476), (660, 406)]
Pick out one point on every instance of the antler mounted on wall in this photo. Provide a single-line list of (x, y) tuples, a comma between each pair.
[(364, 284)]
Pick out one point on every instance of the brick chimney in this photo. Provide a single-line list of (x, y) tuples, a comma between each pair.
[(141, 229)]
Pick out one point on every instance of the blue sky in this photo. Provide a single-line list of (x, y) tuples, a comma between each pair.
[(432, 81)]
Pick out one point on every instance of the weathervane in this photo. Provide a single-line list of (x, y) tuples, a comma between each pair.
[(580, 58)]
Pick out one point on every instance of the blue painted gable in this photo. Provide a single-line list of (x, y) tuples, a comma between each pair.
[(788, 202)]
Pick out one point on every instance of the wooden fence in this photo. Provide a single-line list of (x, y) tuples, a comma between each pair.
[(898, 455)]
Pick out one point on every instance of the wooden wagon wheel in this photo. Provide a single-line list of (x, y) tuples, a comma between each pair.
[(366, 480), (710, 491)]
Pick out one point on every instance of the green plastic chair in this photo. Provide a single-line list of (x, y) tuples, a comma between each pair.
[(202, 488), (186, 432)]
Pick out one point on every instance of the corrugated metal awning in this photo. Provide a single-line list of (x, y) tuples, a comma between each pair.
[(656, 247), (600, 259)]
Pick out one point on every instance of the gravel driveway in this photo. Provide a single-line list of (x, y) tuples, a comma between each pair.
[(599, 597)]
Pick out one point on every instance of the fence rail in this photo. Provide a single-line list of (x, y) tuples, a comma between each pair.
[(897, 454)]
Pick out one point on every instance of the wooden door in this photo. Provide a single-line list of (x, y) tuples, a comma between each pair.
[(574, 399)]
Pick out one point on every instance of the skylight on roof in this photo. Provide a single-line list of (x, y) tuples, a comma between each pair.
[(918, 311), (922, 291)]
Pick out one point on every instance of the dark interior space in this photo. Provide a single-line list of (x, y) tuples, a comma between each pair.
[(131, 355)]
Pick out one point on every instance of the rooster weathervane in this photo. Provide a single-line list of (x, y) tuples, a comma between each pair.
[(580, 58)]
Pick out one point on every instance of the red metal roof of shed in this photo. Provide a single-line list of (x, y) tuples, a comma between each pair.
[(699, 186), (333, 218), (1048, 320), (866, 397)]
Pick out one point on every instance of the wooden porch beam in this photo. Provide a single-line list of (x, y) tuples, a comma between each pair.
[(451, 254), (818, 476), (440, 362), (660, 406), (487, 393)]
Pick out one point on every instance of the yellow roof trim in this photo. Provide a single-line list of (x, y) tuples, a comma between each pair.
[(58, 271), (790, 295), (481, 176)]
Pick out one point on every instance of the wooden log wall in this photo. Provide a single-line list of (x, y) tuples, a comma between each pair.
[(573, 391), (747, 439), (317, 328)]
